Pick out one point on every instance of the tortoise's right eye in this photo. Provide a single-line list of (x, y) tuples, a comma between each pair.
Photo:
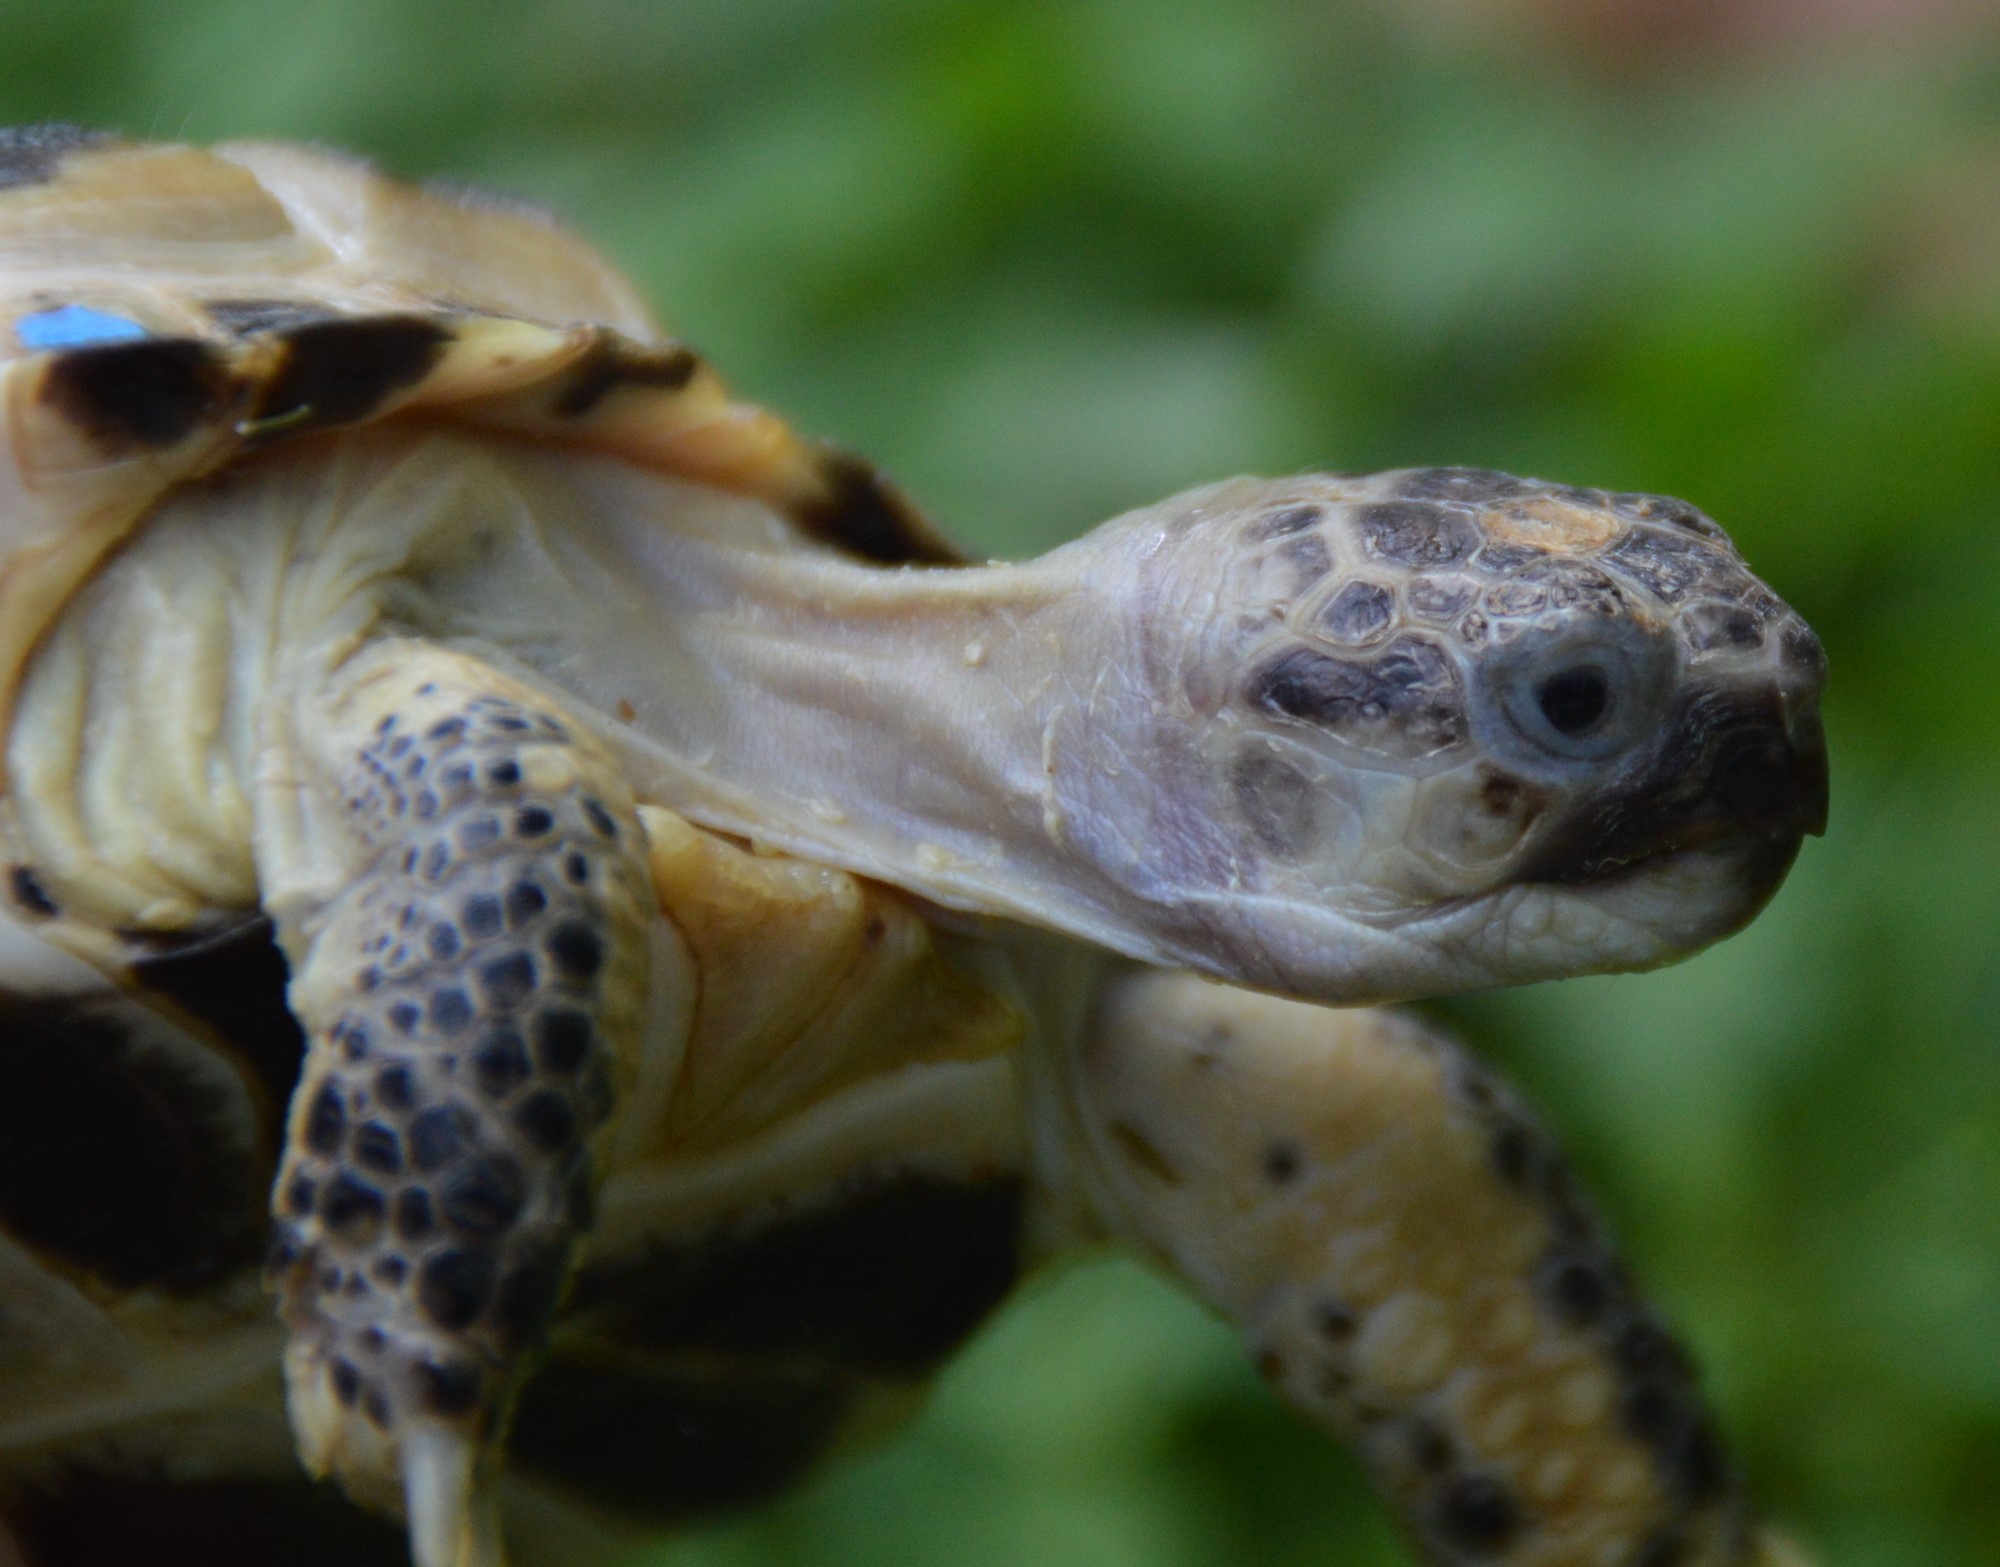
[(1575, 700)]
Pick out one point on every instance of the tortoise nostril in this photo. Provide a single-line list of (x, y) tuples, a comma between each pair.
[(1575, 700)]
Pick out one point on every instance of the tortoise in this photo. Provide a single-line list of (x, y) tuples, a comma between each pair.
[(563, 948)]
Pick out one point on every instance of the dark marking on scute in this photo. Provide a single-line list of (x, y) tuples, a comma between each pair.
[(1515, 1148), (138, 395), (391, 1270), (29, 894), (30, 154), (1275, 799), (887, 1280), (1475, 486), (1358, 614), (663, 1448), (340, 371), (612, 361), (1416, 535), (79, 1516), (1478, 1515), (444, 942), (485, 1196), (404, 1016), (861, 512), (449, 1388), (346, 1383), (1441, 599), (301, 1196), (1669, 566), (454, 1286), (1405, 700), (1711, 626), (375, 1405), (246, 317), (599, 818)]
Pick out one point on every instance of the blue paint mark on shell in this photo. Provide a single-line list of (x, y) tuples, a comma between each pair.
[(75, 326)]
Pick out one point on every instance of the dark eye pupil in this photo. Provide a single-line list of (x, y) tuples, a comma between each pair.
[(1574, 700)]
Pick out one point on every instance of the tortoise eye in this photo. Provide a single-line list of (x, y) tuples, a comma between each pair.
[(1574, 701)]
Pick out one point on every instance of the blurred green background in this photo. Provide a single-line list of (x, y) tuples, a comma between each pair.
[(1049, 261)]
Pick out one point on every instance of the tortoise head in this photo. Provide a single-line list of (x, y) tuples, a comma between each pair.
[(1441, 728)]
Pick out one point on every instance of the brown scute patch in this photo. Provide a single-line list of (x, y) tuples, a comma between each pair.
[(117, 1157), (233, 985), (30, 154), (1441, 599), (889, 1279), (1406, 701), (92, 1518), (136, 395), (612, 362), (247, 317), (861, 512), (660, 1448), (1276, 800), (1415, 534), (340, 370)]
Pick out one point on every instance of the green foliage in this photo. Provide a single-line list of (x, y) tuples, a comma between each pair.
[(1051, 260)]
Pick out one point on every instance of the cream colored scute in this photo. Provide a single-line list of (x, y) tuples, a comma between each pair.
[(442, 245)]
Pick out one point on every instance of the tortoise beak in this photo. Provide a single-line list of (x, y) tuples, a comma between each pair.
[(1736, 765)]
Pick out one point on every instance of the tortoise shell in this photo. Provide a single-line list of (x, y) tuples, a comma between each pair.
[(166, 310)]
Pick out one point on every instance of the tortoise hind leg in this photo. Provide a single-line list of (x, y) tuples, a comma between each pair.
[(472, 1001), (1403, 1250)]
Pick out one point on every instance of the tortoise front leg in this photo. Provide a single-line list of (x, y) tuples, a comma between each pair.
[(1401, 1246), (472, 999)]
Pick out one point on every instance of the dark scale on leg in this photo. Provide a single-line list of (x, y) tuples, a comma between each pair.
[(450, 1167)]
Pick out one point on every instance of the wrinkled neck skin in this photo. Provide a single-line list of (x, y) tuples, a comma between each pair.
[(985, 737)]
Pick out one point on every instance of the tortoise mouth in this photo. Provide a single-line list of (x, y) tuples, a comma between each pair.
[(1738, 774)]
